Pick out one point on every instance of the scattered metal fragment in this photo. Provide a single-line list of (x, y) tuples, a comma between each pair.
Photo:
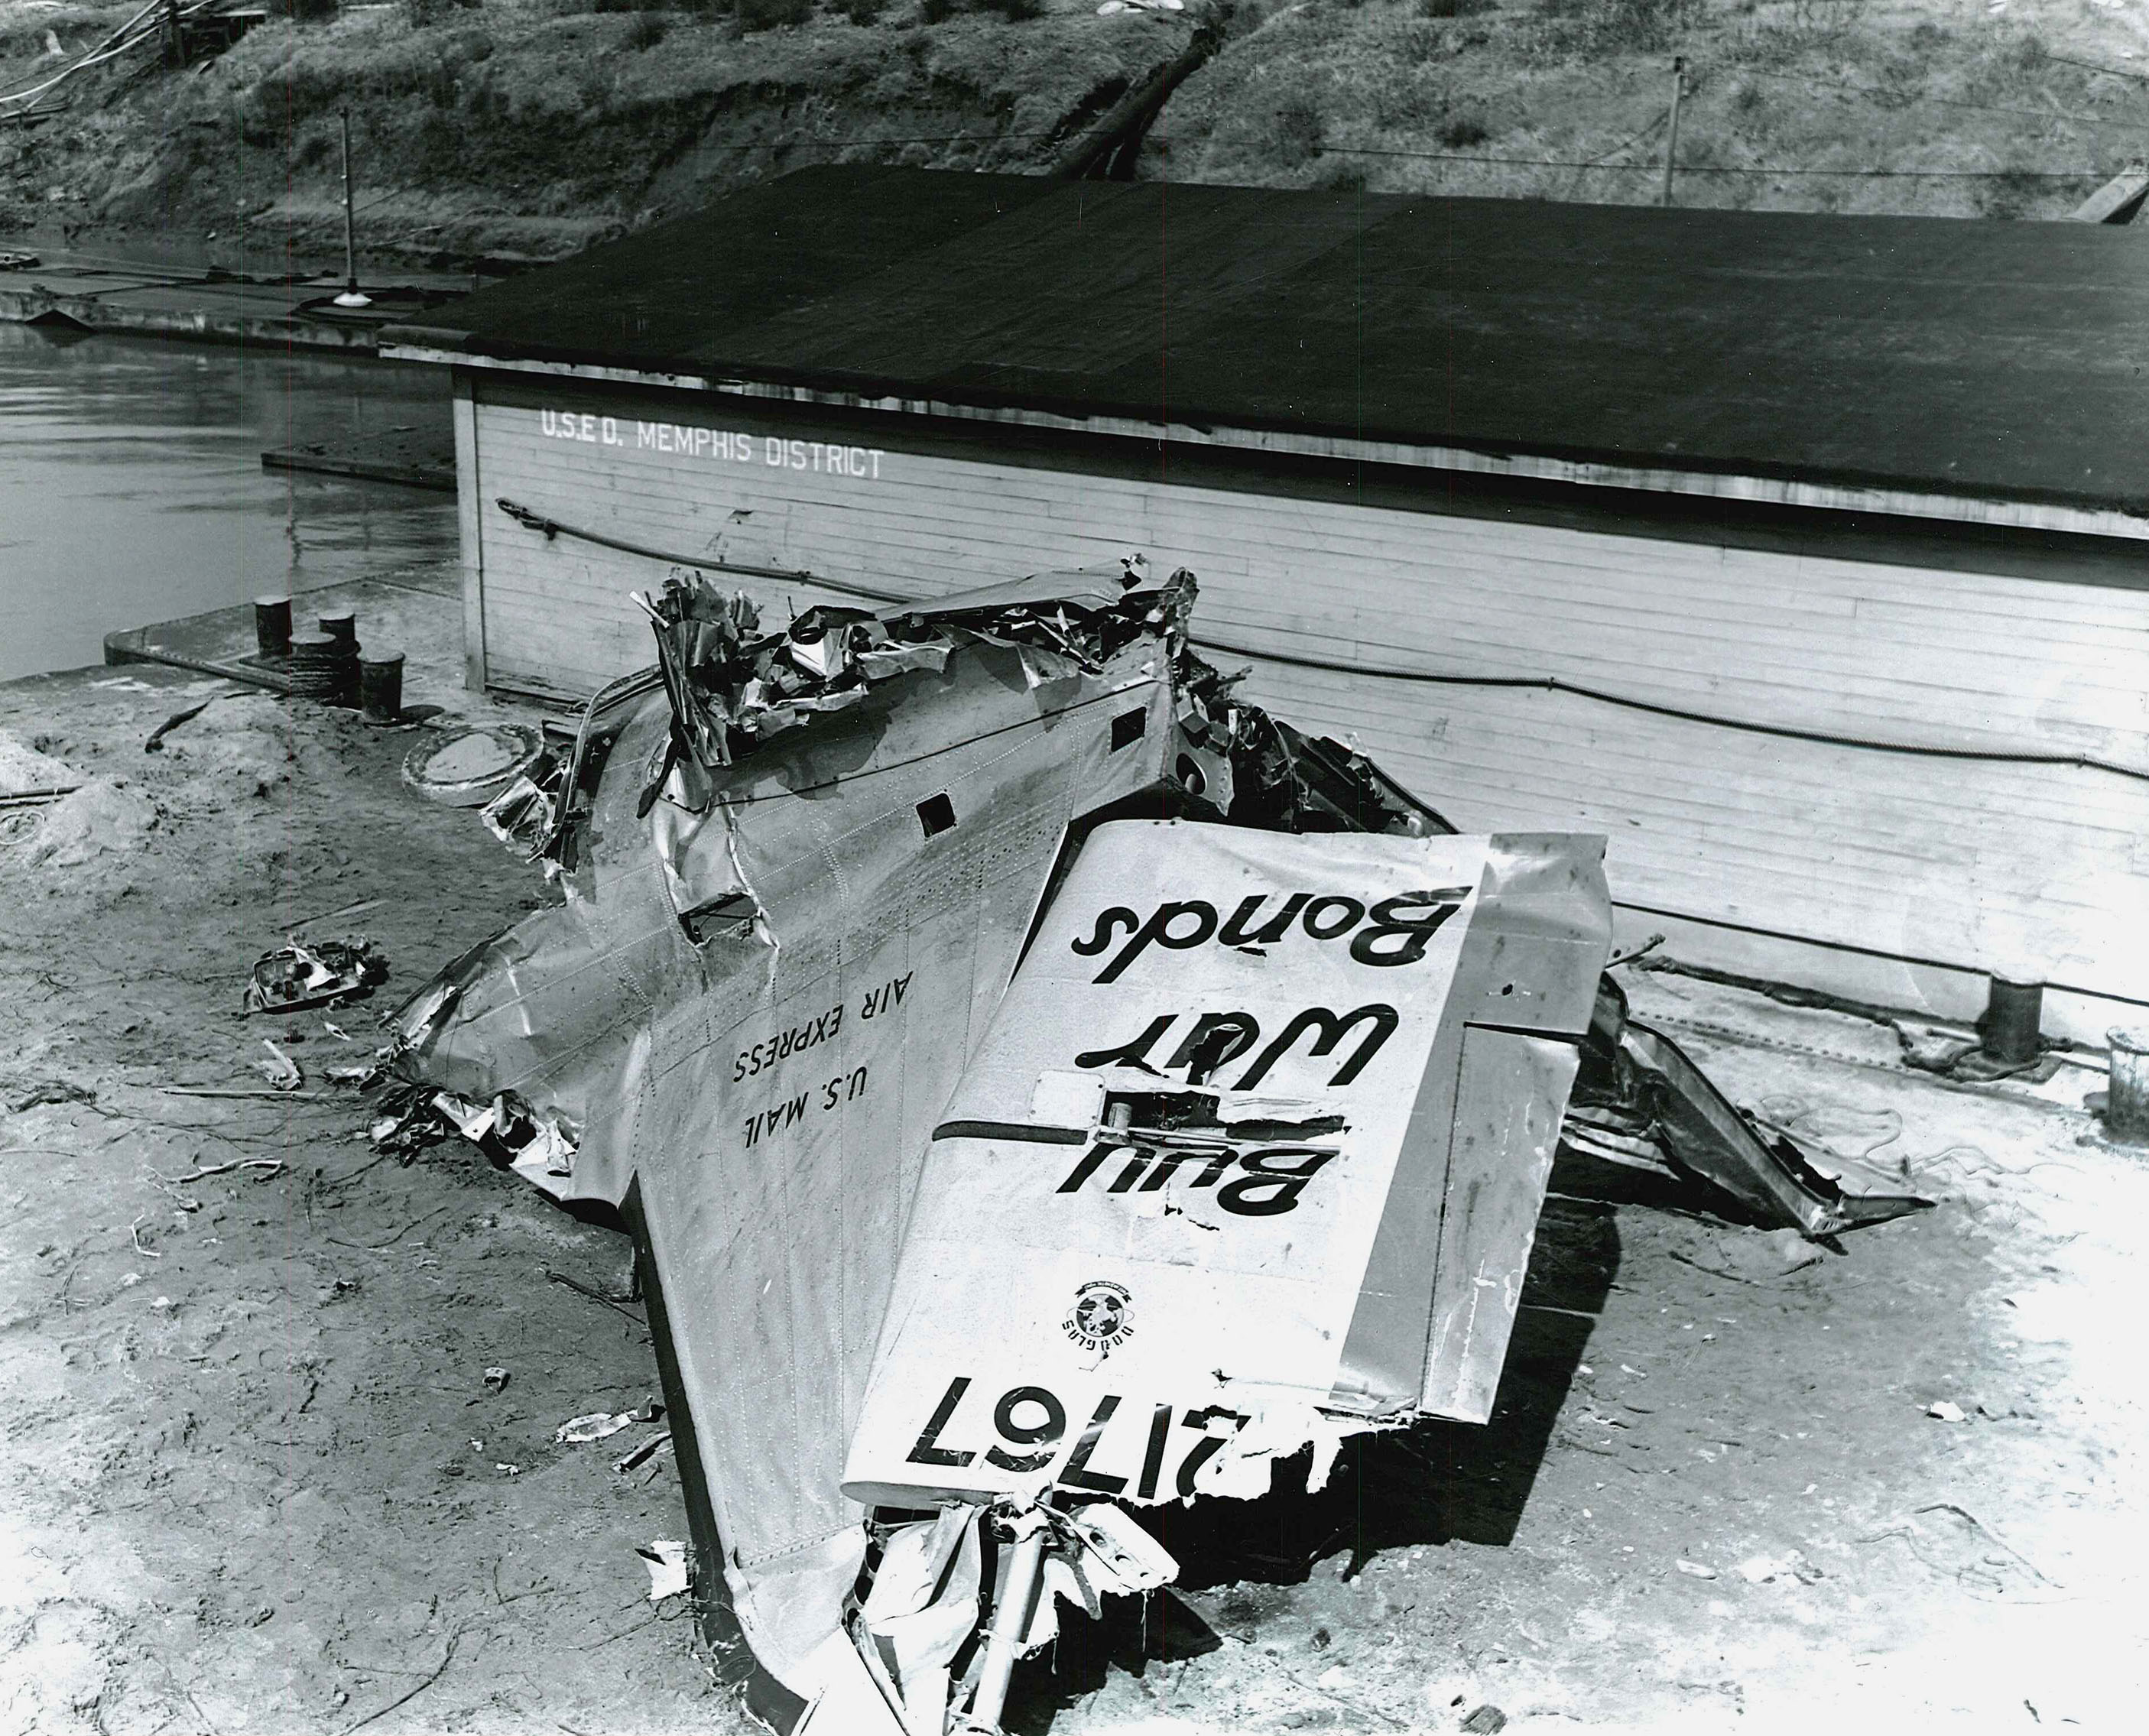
[(602, 1425), (666, 1561), (268, 1166), (521, 816), (495, 1380), (155, 744), (1640, 1100), (281, 1071), (408, 1121), (300, 974), (648, 1449)]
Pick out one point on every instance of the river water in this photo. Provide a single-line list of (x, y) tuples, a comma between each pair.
[(132, 489)]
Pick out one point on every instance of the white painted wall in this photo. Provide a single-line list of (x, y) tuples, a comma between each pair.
[(2039, 872)]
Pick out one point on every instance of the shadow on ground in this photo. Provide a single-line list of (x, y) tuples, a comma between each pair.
[(1439, 1483)]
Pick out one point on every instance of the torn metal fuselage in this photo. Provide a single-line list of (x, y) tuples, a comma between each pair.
[(1039, 1083)]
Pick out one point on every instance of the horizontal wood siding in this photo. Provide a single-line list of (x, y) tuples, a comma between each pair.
[(2031, 871)]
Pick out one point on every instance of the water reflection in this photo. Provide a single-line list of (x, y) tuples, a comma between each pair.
[(131, 490)]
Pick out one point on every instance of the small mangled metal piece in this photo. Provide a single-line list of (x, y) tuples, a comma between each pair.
[(536, 1147), (408, 1121), (303, 974), (283, 1072), (360, 1075), (521, 816), (602, 1425), (1640, 1100)]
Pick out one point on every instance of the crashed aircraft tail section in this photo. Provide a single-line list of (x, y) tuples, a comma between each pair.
[(1042, 1084), (1164, 1172)]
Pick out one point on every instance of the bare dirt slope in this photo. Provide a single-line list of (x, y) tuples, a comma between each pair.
[(524, 129), (253, 1479)]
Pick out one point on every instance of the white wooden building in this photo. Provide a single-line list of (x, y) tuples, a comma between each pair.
[(1882, 480)]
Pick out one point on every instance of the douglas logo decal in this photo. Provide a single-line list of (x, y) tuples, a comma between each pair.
[(1396, 930), (1102, 1321)]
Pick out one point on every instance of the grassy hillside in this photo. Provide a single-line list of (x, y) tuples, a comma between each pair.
[(1389, 93), (527, 127)]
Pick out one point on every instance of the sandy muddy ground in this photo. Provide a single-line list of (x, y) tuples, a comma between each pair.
[(253, 1479)]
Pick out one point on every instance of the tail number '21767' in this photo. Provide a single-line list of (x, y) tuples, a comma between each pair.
[(1030, 1425)]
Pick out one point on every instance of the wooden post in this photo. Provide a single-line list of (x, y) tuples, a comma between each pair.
[(2126, 1104), (1671, 133), (349, 236), (352, 296)]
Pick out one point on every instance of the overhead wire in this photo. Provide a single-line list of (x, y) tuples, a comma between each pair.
[(551, 527)]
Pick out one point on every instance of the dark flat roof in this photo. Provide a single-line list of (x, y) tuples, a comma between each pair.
[(1996, 361)]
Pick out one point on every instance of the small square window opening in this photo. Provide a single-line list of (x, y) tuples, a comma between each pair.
[(936, 814)]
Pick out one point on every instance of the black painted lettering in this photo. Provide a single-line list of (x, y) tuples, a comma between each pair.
[(1276, 1176), (1218, 1165), (1045, 1434), (1235, 933), (1090, 1162), (1160, 930), (1165, 1167), (1159, 1429), (1216, 1038), (1327, 928), (1078, 1475), (1108, 925), (1137, 1160), (1207, 1447), (1133, 1054), (1329, 1029), (1405, 937), (929, 1451)]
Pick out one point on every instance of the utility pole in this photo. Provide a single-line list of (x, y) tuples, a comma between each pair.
[(1671, 133), (175, 53), (352, 296)]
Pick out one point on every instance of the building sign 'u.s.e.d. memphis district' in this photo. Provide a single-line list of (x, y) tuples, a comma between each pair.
[(1078, 1306), (713, 445)]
